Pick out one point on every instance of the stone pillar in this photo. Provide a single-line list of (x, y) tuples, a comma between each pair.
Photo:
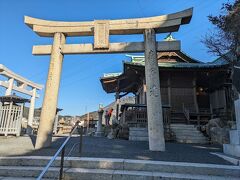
[(233, 148), (154, 104), (10, 87), (55, 123), (99, 132), (44, 137), (31, 112), (117, 105), (237, 112), (9, 118)]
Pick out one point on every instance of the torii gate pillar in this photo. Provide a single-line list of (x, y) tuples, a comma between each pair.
[(44, 137), (154, 103)]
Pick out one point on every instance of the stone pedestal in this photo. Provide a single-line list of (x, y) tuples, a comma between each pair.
[(99, 132), (234, 147)]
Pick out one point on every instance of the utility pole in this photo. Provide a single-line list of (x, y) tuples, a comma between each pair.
[(87, 118), (87, 122)]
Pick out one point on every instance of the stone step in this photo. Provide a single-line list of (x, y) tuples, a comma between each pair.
[(137, 129), (177, 133), (187, 132), (24, 178), (23, 165), (138, 133), (31, 161), (184, 128), (96, 174), (105, 174), (182, 125), (191, 141), (191, 137), (138, 138), (178, 119), (23, 172)]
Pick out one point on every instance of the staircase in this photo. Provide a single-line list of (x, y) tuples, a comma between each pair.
[(138, 134), (178, 117), (188, 134), (29, 167)]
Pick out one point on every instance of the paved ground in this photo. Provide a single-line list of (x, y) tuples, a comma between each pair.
[(105, 148)]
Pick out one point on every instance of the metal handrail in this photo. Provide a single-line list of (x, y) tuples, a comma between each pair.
[(66, 158), (61, 149)]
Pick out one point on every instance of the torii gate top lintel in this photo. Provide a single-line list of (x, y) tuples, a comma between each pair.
[(161, 24)]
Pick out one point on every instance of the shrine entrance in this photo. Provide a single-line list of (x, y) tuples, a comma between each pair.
[(101, 30)]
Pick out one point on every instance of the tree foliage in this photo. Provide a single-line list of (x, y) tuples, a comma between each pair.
[(226, 35)]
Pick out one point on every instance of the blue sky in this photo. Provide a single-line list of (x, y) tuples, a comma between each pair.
[(80, 86)]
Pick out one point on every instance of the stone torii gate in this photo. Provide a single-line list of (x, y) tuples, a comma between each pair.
[(101, 30), (20, 84)]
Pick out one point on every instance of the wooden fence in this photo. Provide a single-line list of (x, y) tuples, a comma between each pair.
[(10, 119), (137, 116)]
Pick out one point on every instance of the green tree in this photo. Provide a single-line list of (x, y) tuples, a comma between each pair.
[(224, 41)]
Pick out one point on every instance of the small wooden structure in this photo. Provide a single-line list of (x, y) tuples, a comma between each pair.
[(11, 110)]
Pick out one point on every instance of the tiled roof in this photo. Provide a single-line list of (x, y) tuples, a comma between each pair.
[(181, 65)]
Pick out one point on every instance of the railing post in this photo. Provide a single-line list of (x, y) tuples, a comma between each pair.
[(62, 163), (198, 120), (80, 143), (211, 111), (169, 115)]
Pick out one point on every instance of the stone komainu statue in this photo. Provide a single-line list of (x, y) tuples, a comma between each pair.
[(217, 130)]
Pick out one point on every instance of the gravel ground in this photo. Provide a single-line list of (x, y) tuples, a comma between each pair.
[(105, 148)]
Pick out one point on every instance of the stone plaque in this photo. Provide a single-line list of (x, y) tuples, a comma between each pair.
[(101, 34)]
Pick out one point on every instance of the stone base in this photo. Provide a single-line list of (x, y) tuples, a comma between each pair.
[(232, 159), (232, 149), (234, 137), (99, 134)]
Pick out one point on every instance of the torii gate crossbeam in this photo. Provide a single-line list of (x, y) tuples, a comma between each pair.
[(101, 30)]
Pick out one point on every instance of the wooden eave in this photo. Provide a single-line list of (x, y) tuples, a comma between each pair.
[(127, 82)]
